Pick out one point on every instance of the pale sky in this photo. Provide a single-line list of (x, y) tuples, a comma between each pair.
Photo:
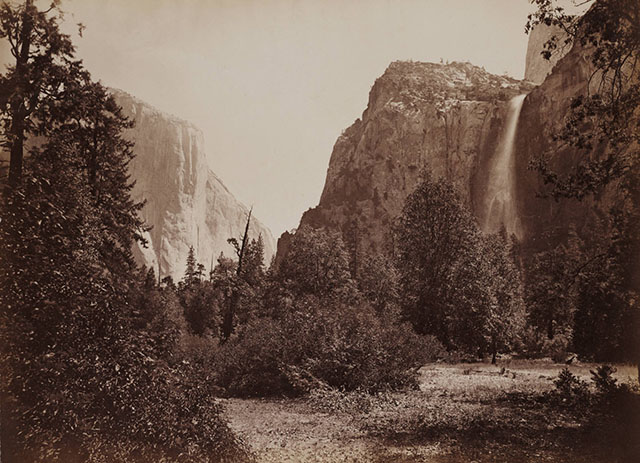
[(272, 83)]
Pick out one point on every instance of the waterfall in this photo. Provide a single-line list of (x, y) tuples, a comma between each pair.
[(500, 200)]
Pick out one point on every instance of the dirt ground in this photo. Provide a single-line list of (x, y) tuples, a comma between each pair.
[(461, 413)]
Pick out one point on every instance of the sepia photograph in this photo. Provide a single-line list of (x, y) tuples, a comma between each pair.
[(319, 231)]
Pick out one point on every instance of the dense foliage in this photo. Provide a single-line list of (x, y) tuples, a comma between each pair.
[(455, 284), (316, 329), (320, 346), (600, 279), (605, 114), (83, 378), (316, 264)]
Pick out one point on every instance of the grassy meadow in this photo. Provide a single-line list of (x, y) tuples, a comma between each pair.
[(461, 413)]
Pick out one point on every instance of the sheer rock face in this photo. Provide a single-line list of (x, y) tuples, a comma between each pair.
[(543, 114), (537, 68), (422, 117), (186, 203), (548, 222), (446, 121)]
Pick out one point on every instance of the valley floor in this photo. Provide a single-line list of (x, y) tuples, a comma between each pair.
[(462, 413)]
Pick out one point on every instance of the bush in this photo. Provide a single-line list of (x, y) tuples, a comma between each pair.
[(133, 408), (534, 344), (355, 349), (569, 389), (253, 363), (433, 349), (342, 347), (603, 379), (557, 348)]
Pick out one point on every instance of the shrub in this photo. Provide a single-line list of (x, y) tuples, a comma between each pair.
[(603, 379), (530, 343), (557, 348), (355, 349), (253, 363), (136, 409), (433, 349), (342, 347), (569, 389), (535, 344)]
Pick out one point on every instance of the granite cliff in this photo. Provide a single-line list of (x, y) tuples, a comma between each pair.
[(453, 121), (543, 114), (444, 119), (537, 68), (544, 111), (186, 203)]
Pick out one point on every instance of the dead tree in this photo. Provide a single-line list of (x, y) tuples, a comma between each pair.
[(232, 303)]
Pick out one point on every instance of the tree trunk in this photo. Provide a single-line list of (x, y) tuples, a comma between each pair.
[(18, 109), (17, 150), (494, 352), (244, 243), (227, 319)]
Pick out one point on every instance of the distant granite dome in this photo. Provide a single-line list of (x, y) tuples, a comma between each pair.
[(186, 203)]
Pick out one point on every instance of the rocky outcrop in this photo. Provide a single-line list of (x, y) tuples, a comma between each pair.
[(537, 68), (421, 117), (186, 203)]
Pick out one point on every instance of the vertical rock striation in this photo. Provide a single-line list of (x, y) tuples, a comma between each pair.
[(186, 203)]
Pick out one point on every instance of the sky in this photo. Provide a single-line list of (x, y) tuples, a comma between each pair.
[(273, 83)]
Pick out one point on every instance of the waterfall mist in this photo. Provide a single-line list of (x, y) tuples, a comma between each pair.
[(500, 201)]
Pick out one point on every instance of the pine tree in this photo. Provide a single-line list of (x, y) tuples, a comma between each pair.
[(86, 384), (253, 268), (150, 278), (43, 60), (233, 300), (190, 273)]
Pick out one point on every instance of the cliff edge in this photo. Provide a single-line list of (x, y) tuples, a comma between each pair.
[(186, 203)]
